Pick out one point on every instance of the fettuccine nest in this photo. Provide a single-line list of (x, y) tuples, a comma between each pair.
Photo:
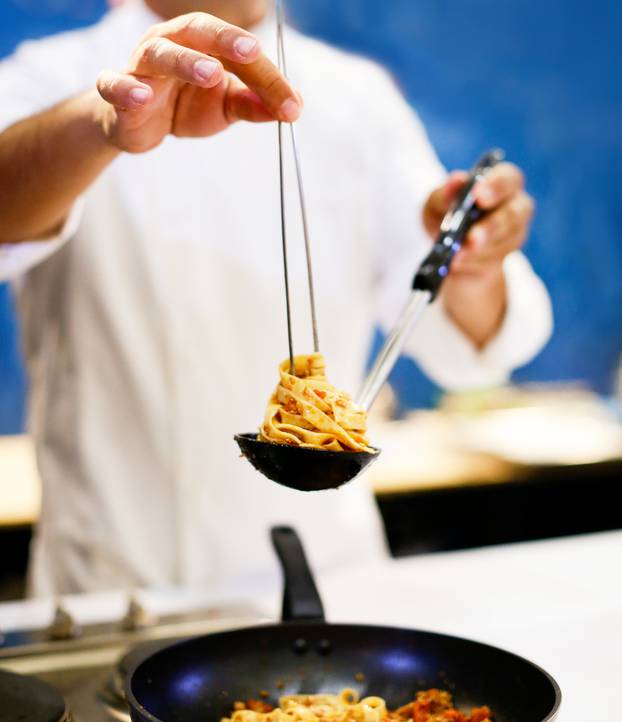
[(307, 411)]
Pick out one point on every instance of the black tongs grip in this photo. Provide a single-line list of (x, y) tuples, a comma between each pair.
[(454, 227)]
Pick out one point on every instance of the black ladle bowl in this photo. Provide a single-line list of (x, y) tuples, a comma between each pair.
[(301, 468)]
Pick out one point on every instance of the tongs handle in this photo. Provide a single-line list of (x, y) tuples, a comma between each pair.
[(454, 227)]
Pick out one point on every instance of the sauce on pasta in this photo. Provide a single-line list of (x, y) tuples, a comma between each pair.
[(432, 705), (307, 411)]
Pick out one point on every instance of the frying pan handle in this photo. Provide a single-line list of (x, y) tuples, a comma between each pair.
[(301, 600)]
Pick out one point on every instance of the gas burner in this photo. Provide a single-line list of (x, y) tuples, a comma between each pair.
[(30, 699)]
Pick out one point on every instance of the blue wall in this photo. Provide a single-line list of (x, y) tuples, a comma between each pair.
[(540, 79), (20, 19)]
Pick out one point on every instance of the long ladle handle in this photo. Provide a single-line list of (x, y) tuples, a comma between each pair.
[(288, 303), (282, 64), (301, 599)]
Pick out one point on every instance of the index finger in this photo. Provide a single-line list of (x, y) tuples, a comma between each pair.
[(241, 54), (502, 182), (210, 35), (271, 86)]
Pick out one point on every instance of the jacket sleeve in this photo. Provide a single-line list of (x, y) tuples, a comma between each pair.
[(407, 171), (17, 258)]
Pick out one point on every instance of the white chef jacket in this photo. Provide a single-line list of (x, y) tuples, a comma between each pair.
[(154, 323)]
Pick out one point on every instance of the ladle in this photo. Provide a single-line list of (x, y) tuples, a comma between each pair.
[(299, 468), (308, 469)]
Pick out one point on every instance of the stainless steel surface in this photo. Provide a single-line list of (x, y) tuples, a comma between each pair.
[(36, 643), (282, 64), (393, 346), (86, 693), (89, 670)]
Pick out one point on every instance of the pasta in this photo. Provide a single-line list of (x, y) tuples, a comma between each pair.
[(307, 411), (432, 705)]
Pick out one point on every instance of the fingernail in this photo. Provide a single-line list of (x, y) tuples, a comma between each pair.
[(290, 110), (244, 45), (139, 95), (205, 69)]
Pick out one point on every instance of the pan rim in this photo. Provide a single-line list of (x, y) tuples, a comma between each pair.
[(136, 705)]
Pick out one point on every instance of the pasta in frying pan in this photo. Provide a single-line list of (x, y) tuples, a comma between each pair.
[(432, 705), (307, 411)]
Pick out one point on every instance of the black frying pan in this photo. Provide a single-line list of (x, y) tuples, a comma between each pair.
[(198, 680)]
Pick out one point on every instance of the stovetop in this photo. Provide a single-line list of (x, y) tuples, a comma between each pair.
[(88, 664), (87, 694)]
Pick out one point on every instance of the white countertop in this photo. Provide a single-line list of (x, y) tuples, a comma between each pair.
[(556, 602)]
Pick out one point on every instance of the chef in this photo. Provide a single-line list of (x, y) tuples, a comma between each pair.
[(139, 224)]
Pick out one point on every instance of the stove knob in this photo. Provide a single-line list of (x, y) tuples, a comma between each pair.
[(64, 625), (137, 617)]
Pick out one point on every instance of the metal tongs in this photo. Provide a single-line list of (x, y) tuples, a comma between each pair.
[(429, 277)]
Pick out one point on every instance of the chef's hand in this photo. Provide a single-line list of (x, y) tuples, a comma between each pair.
[(503, 229), (176, 83), (474, 292)]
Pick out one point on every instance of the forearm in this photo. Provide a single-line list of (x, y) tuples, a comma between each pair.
[(46, 162), (477, 304)]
